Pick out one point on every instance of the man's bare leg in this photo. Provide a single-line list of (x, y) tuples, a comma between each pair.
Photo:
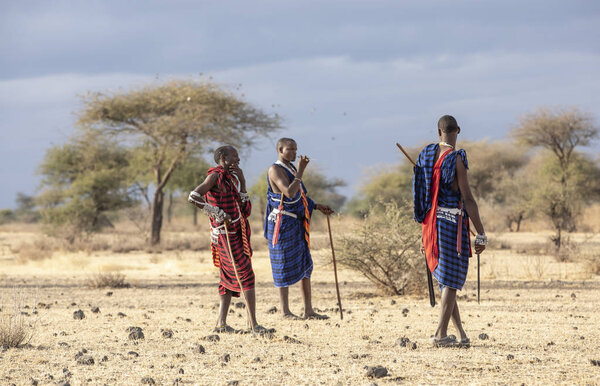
[(224, 301), (446, 309), (251, 298), (285, 305), (309, 312), (457, 322)]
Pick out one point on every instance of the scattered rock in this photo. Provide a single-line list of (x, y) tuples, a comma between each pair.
[(272, 310), (176, 381), (240, 305), (233, 383), (85, 360), (517, 295), (376, 371), (63, 383), (595, 362), (198, 349), (188, 320), (573, 296), (78, 315), (510, 357), (65, 344), (211, 338), (167, 333), (181, 371), (33, 382), (413, 346), (148, 381), (483, 336), (121, 315), (95, 310), (133, 354), (179, 356), (402, 342), (225, 358), (392, 302), (551, 343), (66, 372), (73, 304), (290, 339), (104, 359), (109, 293), (135, 333), (256, 360)]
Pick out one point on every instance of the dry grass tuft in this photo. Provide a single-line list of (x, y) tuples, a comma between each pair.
[(108, 280), (15, 330)]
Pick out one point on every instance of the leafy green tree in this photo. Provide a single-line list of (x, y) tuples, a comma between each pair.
[(82, 180), (26, 211), (171, 122), (560, 131), (185, 178)]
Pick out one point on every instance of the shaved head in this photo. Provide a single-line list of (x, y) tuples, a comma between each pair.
[(221, 151), (448, 124), (284, 142)]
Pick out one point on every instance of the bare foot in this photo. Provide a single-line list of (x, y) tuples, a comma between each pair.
[(316, 316), (291, 316)]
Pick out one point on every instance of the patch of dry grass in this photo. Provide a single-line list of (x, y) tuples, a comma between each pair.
[(15, 329), (107, 280)]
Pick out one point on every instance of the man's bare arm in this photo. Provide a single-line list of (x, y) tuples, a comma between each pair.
[(280, 180), (470, 203), (196, 198)]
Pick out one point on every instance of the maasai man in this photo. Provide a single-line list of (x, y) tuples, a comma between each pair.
[(223, 197), (443, 204), (287, 227)]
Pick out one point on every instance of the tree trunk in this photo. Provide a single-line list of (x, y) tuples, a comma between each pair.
[(195, 216), (157, 216), (170, 208), (519, 219)]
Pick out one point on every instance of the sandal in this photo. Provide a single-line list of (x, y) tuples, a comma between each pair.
[(260, 330), (224, 329), (316, 316), (466, 343), (447, 341)]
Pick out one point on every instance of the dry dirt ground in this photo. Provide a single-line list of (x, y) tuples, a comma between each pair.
[(540, 331)]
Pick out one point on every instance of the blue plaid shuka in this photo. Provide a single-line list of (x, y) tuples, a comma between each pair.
[(290, 257), (452, 268)]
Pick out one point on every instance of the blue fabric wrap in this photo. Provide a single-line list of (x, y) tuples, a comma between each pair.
[(452, 269), (290, 258)]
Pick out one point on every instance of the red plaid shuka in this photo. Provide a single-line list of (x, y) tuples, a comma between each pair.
[(228, 199)]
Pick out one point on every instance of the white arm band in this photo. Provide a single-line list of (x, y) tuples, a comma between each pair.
[(245, 197), (211, 211)]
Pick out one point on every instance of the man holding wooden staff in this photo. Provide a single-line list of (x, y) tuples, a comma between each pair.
[(223, 197), (287, 227), (440, 189)]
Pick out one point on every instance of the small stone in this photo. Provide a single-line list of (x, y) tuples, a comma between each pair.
[(376, 371), (135, 333), (413, 346), (104, 359), (95, 310), (33, 382), (78, 315), (179, 356), (109, 293), (573, 296), (595, 362), (148, 381), (402, 342), (181, 371), (551, 343), (225, 358), (85, 360), (256, 360), (133, 354), (392, 302), (272, 310), (240, 305), (63, 383), (517, 295), (483, 336), (199, 349), (291, 340), (167, 333), (233, 383), (211, 338), (121, 315), (510, 357)]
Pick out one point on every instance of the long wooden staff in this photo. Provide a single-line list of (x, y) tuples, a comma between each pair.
[(337, 286), (429, 278), (238, 277)]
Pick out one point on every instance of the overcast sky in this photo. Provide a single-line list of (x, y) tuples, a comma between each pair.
[(349, 77)]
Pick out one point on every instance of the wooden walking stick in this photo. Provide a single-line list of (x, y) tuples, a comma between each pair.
[(429, 278), (478, 281), (337, 286), (238, 277)]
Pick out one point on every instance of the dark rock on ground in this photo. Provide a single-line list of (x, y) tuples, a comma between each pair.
[(483, 336), (595, 362), (402, 342), (225, 358), (148, 381), (211, 338), (95, 310), (85, 360), (256, 360), (181, 371), (376, 372), (510, 357), (104, 359), (167, 333), (291, 340), (240, 305), (272, 310), (109, 293), (133, 354), (135, 333), (233, 383), (199, 349), (78, 315), (121, 315)]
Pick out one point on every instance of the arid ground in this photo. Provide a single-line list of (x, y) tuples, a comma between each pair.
[(539, 317)]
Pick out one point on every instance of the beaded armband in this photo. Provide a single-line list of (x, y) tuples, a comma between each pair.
[(481, 240), (245, 197), (212, 211)]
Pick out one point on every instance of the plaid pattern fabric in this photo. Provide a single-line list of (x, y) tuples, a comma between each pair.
[(290, 257), (229, 200), (452, 268)]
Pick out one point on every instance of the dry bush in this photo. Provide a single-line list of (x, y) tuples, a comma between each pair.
[(107, 280), (385, 249), (37, 250), (536, 267), (15, 330)]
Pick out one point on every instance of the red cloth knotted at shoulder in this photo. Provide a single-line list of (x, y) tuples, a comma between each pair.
[(429, 225)]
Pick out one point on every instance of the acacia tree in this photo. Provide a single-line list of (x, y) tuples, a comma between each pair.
[(560, 131), (172, 121)]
